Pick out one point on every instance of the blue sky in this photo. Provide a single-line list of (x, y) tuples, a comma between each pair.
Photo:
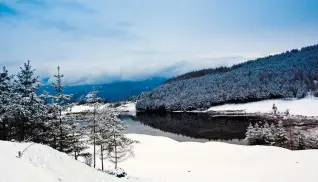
[(103, 40)]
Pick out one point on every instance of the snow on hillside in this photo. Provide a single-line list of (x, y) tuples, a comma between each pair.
[(129, 108), (81, 108), (42, 163), (163, 159), (307, 106)]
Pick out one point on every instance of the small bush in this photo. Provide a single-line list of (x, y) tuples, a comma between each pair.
[(119, 173)]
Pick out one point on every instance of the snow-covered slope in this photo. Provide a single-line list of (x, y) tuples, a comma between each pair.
[(41, 163), (307, 106), (163, 159)]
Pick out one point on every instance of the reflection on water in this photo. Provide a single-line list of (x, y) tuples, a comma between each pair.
[(199, 127)]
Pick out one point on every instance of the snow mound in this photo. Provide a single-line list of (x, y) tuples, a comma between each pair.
[(305, 107), (42, 163)]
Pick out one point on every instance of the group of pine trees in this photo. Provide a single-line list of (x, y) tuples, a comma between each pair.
[(267, 134), (288, 75), (294, 137), (47, 118)]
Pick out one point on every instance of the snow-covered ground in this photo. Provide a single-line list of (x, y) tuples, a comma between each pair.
[(80, 108), (129, 108), (163, 159), (307, 106), (42, 163)]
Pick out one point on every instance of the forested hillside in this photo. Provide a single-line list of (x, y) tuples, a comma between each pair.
[(287, 75)]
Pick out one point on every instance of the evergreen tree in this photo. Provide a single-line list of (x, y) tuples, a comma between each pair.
[(61, 123), (30, 108), (94, 100), (268, 135), (250, 134), (77, 141), (6, 107), (280, 134), (119, 147)]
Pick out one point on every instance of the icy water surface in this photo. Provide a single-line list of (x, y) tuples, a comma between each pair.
[(200, 127)]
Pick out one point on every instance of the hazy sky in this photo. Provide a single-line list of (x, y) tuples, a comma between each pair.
[(103, 40)]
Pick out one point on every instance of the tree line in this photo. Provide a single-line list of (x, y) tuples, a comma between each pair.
[(294, 137), (47, 118), (287, 75)]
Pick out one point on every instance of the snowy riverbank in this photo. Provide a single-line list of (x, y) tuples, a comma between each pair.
[(163, 159), (306, 107), (129, 108)]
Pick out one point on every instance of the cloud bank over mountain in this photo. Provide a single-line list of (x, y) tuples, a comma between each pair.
[(103, 40)]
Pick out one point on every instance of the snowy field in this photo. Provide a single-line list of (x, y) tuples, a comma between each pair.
[(128, 108), (307, 106), (41, 163), (163, 159)]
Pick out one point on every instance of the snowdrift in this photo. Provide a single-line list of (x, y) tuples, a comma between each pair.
[(163, 159), (42, 163)]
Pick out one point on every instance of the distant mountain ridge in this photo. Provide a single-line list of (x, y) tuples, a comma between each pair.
[(287, 75), (112, 92)]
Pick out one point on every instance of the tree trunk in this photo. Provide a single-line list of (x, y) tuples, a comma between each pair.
[(61, 134), (94, 138), (74, 147), (22, 130), (102, 157), (4, 130), (115, 154)]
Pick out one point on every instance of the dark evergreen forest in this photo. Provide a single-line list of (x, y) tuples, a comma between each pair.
[(291, 74)]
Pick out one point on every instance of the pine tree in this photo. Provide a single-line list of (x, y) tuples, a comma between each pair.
[(297, 136), (280, 134), (268, 135), (60, 126), (250, 134), (94, 100), (30, 108), (6, 106), (77, 140), (119, 147), (102, 132)]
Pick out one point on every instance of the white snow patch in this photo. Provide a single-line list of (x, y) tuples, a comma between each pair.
[(42, 163), (307, 106), (129, 108), (81, 108), (163, 159)]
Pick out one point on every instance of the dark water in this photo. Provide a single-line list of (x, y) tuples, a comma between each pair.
[(199, 127)]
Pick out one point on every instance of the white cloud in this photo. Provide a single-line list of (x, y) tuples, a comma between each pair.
[(99, 40)]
